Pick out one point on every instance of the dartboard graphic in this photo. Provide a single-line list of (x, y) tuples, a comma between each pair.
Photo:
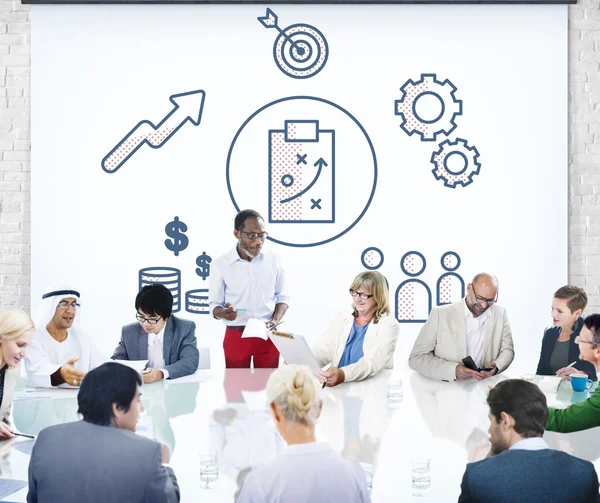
[(300, 50)]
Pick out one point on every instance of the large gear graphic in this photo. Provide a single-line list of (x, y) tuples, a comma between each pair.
[(451, 177), (428, 128)]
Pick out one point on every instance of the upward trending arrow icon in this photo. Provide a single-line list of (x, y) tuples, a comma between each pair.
[(188, 107)]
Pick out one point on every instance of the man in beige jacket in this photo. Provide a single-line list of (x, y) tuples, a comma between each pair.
[(475, 326)]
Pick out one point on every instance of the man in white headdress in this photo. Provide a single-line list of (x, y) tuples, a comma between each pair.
[(61, 353)]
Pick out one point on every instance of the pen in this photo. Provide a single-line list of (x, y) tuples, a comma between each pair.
[(324, 384), (241, 309), (22, 434), (278, 323), (571, 364)]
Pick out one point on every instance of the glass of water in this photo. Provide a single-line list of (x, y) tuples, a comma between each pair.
[(394, 393), (209, 470), (421, 476)]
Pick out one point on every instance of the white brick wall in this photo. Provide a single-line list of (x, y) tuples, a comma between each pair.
[(584, 149), (15, 206), (584, 154)]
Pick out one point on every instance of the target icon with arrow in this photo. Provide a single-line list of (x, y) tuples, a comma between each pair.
[(300, 50)]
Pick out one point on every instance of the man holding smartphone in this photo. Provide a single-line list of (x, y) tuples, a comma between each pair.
[(475, 327)]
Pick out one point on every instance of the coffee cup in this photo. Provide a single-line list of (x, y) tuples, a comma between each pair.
[(580, 382)]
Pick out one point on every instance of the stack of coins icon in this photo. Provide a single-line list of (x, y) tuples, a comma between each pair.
[(167, 276), (196, 301)]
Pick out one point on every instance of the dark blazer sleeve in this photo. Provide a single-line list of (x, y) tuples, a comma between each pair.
[(121, 350), (465, 495), (162, 485), (594, 495), (187, 351), (543, 368)]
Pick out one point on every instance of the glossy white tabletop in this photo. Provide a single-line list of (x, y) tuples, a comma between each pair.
[(224, 411)]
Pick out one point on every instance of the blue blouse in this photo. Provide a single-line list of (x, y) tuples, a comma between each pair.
[(354, 345)]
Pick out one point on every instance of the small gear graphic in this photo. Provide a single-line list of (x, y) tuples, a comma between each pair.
[(453, 177), (431, 90)]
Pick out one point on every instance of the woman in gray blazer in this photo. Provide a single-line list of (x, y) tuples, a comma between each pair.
[(307, 470), (16, 333)]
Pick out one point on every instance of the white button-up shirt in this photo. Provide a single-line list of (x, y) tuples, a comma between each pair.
[(306, 472), (475, 333), (160, 364), (257, 286)]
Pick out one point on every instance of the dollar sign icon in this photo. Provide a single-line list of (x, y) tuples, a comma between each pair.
[(203, 262), (175, 230)]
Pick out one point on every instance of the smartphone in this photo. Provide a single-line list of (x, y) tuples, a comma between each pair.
[(470, 364)]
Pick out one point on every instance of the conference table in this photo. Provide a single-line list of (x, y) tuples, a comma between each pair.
[(225, 412)]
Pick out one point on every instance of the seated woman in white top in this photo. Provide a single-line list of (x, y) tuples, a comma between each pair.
[(360, 341), (16, 334), (307, 470)]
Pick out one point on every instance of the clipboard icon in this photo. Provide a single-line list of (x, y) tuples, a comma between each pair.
[(294, 349), (301, 173)]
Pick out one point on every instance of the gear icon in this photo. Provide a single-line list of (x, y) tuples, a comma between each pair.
[(428, 107), (452, 176)]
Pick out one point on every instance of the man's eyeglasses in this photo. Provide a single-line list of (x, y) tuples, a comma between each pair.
[(141, 319), (253, 235), (363, 296), (579, 341), (478, 299), (66, 303)]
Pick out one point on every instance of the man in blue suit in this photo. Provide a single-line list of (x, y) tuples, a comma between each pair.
[(521, 466), (167, 342)]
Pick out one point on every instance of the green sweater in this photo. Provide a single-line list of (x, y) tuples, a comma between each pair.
[(576, 417)]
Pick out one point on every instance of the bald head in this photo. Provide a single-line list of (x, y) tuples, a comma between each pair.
[(485, 279), (482, 293)]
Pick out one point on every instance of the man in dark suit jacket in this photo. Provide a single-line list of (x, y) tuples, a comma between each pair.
[(101, 459), (521, 467), (167, 342)]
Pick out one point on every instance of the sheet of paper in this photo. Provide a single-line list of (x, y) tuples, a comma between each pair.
[(25, 447), (549, 384), (256, 400), (54, 393), (255, 328), (9, 486), (295, 350), (138, 365)]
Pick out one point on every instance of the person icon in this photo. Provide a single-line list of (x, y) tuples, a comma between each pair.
[(413, 296), (450, 285)]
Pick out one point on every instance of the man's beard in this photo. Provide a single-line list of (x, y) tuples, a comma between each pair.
[(245, 250), (498, 447)]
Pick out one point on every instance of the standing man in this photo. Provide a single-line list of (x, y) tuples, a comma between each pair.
[(522, 467), (475, 326), (245, 283), (582, 415), (167, 342), (61, 353)]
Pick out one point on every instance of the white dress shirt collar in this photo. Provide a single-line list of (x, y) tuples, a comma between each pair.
[(481, 318), (160, 335), (530, 444), (233, 255), (309, 448)]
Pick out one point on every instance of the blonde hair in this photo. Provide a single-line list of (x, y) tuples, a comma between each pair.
[(376, 284), (15, 322), (296, 392)]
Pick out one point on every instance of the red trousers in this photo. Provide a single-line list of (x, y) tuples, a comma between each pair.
[(238, 351)]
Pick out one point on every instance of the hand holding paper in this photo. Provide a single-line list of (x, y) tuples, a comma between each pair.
[(255, 328)]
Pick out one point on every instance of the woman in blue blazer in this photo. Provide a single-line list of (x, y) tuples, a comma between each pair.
[(559, 349)]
